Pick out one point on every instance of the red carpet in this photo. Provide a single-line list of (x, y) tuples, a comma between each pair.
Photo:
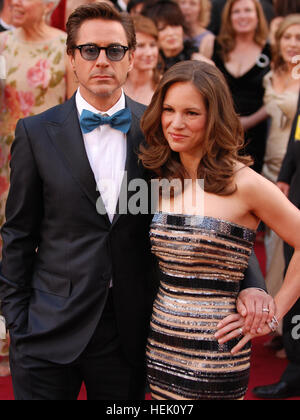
[(266, 368)]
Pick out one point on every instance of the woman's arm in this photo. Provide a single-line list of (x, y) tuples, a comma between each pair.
[(274, 208), (254, 119), (207, 46), (269, 204), (201, 57), (284, 188)]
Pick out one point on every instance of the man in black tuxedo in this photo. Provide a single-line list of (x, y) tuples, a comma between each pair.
[(289, 183), (77, 284)]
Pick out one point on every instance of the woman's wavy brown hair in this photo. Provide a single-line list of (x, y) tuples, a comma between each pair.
[(224, 137), (227, 36)]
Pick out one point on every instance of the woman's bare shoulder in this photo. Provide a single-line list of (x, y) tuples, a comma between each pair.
[(242, 172), (247, 180), (253, 188)]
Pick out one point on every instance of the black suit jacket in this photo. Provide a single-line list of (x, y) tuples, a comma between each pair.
[(290, 170), (60, 254)]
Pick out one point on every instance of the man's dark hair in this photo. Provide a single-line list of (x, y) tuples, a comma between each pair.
[(1, 5), (98, 11)]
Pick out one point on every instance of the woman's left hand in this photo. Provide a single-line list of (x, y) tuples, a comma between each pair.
[(233, 327)]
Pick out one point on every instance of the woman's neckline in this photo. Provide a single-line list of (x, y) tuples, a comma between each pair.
[(17, 36), (251, 69), (208, 217)]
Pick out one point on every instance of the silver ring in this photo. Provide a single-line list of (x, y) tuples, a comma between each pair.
[(241, 331), (267, 311)]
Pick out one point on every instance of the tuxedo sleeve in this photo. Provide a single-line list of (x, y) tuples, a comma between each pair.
[(20, 233), (253, 276)]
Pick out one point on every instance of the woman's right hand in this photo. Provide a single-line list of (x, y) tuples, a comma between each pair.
[(233, 328)]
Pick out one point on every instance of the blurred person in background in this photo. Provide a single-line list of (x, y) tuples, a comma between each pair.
[(218, 7), (243, 55), (144, 77), (5, 15), (4, 357), (197, 17), (5, 19), (173, 34), (282, 8), (281, 97), (36, 74), (289, 182)]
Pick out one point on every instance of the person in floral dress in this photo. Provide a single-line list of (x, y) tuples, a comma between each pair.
[(36, 79), (36, 75)]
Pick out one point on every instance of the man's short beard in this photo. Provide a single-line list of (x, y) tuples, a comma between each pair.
[(106, 94)]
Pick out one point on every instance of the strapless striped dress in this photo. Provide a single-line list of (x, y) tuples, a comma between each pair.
[(202, 264)]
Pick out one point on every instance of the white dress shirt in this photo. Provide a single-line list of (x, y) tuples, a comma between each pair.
[(106, 149)]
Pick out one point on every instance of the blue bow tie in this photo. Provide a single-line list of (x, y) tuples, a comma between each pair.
[(119, 121)]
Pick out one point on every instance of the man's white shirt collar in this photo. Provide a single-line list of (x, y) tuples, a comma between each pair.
[(82, 104)]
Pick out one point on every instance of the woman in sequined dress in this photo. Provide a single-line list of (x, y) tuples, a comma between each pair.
[(203, 246)]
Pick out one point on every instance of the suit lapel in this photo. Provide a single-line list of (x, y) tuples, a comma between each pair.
[(132, 169), (65, 133)]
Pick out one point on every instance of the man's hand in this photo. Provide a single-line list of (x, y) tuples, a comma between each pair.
[(257, 307)]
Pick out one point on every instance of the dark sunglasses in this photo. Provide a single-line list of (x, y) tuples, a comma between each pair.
[(91, 52)]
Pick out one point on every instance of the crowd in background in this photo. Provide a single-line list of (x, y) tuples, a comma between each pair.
[(256, 45)]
